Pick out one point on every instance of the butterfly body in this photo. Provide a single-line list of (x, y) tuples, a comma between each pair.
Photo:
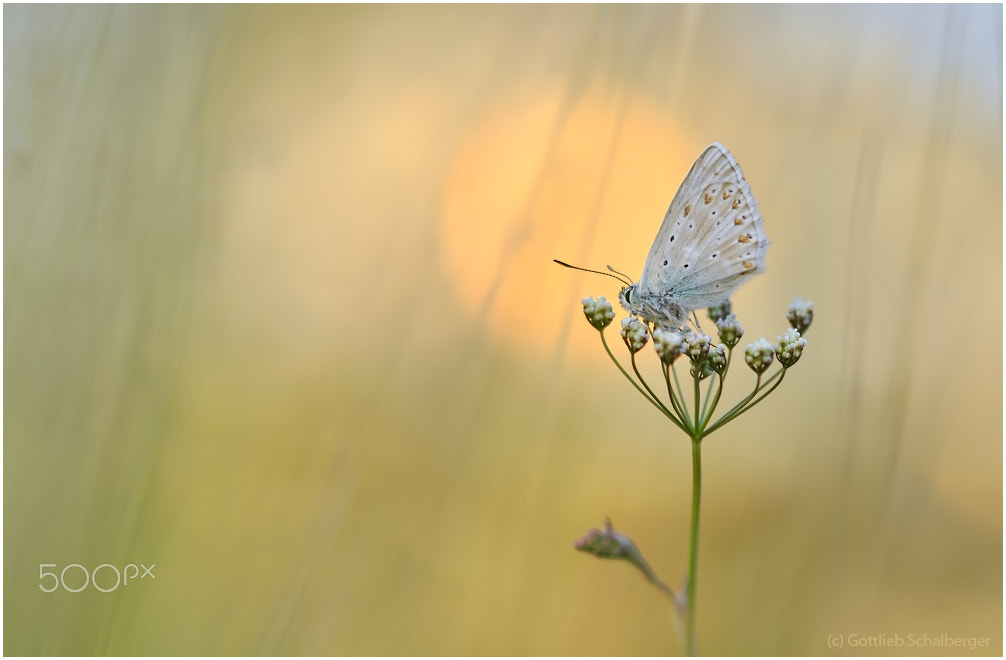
[(710, 242)]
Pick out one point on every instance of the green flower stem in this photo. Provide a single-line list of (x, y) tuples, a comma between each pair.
[(668, 413), (656, 402), (749, 401), (625, 373), (740, 406), (709, 405), (712, 408), (656, 581), (719, 392), (737, 409), (730, 358), (778, 382), (693, 547), (698, 407), (677, 403), (681, 399), (746, 400)]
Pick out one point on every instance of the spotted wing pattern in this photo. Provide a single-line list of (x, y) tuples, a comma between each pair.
[(710, 242)]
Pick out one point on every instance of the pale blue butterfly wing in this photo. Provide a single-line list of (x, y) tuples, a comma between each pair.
[(710, 242)]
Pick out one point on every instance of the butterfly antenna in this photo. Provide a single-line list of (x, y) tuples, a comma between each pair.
[(622, 279), (627, 278)]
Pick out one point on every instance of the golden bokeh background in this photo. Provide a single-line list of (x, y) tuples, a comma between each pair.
[(281, 319)]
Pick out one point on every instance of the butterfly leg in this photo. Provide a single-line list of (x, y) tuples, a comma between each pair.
[(698, 326)]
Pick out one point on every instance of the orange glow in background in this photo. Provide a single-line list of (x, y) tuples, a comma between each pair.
[(534, 176)]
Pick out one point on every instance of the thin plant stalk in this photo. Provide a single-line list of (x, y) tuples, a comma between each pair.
[(693, 547), (696, 420)]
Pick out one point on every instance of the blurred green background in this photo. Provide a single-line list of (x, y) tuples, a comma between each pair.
[(281, 318)]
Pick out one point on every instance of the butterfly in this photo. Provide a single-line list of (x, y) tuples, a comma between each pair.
[(710, 242)]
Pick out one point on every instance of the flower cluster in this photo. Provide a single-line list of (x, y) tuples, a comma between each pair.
[(692, 408), (790, 347), (730, 330), (721, 311), (634, 333), (706, 359), (800, 315), (598, 312), (759, 355), (669, 345)]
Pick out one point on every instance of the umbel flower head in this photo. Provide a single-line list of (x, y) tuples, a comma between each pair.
[(698, 346), (706, 358), (669, 345), (598, 312), (759, 355), (685, 406), (800, 314), (721, 311), (717, 358), (790, 347), (730, 330), (634, 333)]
